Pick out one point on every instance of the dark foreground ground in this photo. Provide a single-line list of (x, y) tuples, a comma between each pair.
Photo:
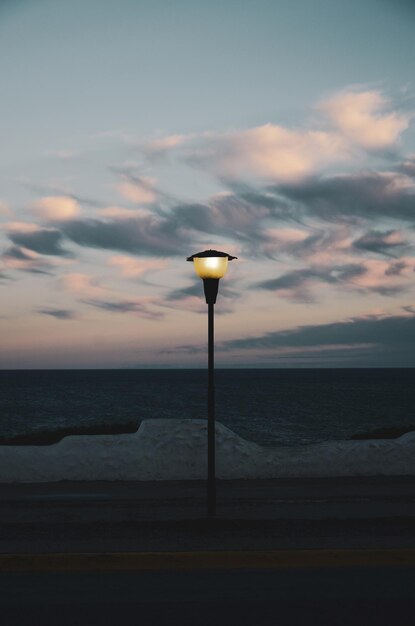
[(251, 515), (316, 551), (333, 597)]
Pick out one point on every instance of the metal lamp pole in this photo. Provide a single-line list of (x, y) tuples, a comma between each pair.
[(211, 265), (211, 289)]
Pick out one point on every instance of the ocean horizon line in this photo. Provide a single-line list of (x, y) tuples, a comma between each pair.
[(202, 368)]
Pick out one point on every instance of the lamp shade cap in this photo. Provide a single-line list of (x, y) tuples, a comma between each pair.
[(210, 253)]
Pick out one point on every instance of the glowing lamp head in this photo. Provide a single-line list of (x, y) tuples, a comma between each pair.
[(211, 267), (211, 263)]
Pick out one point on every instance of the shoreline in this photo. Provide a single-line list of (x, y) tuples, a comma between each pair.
[(172, 449), (50, 437)]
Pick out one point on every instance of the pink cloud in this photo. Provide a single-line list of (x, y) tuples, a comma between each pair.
[(384, 275), (21, 227), (56, 208), (282, 239), (88, 291), (116, 212), (25, 259), (82, 284), (158, 147), (21, 258), (272, 152), (131, 268), (394, 237), (365, 118), (321, 246), (335, 248), (269, 152), (287, 235), (140, 191)]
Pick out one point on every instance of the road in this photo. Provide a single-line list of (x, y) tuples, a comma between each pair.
[(120, 523), (251, 515), (335, 596)]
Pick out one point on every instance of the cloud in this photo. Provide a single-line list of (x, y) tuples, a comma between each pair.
[(82, 285), (44, 241), (365, 118), (296, 284), (56, 208), (144, 235), (193, 290), (89, 291), (138, 189), (248, 216), (386, 339), (59, 191), (132, 268), (350, 197), (283, 240), (116, 212), (60, 314), (163, 233), (21, 227), (25, 260), (373, 340), (189, 298), (397, 268), (192, 298), (157, 148), (408, 166), (272, 152), (382, 242), (138, 308), (288, 236), (196, 290), (269, 152), (227, 216), (321, 245), (20, 254), (384, 277), (367, 275), (236, 216)]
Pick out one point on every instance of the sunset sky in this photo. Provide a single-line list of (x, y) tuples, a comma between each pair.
[(137, 132)]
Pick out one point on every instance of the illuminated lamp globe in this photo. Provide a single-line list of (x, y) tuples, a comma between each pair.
[(211, 263), (210, 266)]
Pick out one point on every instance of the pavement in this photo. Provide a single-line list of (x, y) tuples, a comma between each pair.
[(334, 597), (287, 551), (263, 515)]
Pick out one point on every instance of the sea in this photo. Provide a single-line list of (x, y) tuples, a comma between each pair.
[(268, 406)]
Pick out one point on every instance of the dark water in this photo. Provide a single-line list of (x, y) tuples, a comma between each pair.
[(267, 406)]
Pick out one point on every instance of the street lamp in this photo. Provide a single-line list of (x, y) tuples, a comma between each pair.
[(211, 266)]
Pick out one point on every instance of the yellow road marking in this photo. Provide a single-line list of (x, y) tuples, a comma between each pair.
[(275, 559)]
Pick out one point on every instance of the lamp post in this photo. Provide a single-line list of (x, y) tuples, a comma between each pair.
[(211, 266)]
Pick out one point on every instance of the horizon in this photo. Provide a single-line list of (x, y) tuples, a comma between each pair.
[(203, 369)]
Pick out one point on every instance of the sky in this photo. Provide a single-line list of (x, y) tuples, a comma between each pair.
[(136, 133)]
